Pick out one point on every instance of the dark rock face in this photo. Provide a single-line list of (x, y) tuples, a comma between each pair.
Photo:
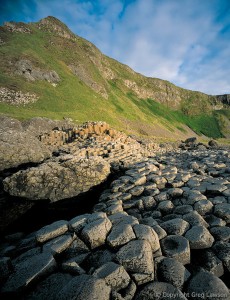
[(225, 99)]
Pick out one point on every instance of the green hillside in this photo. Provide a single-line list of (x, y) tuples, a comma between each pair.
[(93, 86)]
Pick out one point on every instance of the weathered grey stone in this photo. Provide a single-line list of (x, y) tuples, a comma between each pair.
[(58, 245), (214, 221), (77, 247), (29, 271), (159, 290), (165, 206), (206, 284), (223, 211), (216, 189), (175, 192), (171, 271), (55, 180), (24, 256), (96, 259), (51, 231), (94, 234), (50, 287), (141, 278), (163, 196), (194, 196), (222, 250), (221, 233), (159, 231), (114, 275), (144, 232), (24, 67), (123, 218), (72, 267), (19, 147), (112, 209), (138, 180), (156, 214), (177, 247), (169, 217), (176, 226), (183, 209), (85, 287), (199, 237), (136, 191), (203, 207), (76, 224), (148, 221), (136, 256), (120, 235), (218, 200), (194, 219), (148, 202), (210, 262)]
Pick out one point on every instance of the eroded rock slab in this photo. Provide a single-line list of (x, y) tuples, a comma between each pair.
[(56, 180)]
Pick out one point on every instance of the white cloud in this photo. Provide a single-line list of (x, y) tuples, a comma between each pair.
[(180, 41)]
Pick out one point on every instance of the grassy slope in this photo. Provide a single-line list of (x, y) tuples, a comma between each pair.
[(73, 98)]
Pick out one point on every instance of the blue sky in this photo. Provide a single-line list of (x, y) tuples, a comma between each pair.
[(184, 41)]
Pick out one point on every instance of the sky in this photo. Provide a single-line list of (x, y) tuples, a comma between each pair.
[(184, 41)]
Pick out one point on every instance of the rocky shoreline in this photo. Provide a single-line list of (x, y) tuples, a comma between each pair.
[(160, 230)]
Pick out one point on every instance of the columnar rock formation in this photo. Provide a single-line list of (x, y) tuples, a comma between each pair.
[(160, 230)]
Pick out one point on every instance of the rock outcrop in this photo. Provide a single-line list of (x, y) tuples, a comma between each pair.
[(24, 67), (18, 146), (153, 234), (66, 177)]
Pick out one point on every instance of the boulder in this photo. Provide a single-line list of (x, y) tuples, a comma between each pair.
[(50, 287), (144, 232), (56, 180), (51, 231), (177, 247), (172, 271), (213, 144), (114, 275), (208, 285), (210, 262), (29, 271), (120, 235), (223, 211), (199, 237), (222, 250), (94, 234), (58, 245), (18, 147), (159, 290), (176, 226), (85, 287), (136, 257)]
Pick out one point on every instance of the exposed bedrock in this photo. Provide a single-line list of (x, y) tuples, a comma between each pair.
[(161, 230), (65, 177)]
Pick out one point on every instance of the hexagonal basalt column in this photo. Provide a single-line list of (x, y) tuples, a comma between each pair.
[(176, 247)]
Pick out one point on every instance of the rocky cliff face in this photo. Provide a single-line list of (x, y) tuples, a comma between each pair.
[(225, 99)]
